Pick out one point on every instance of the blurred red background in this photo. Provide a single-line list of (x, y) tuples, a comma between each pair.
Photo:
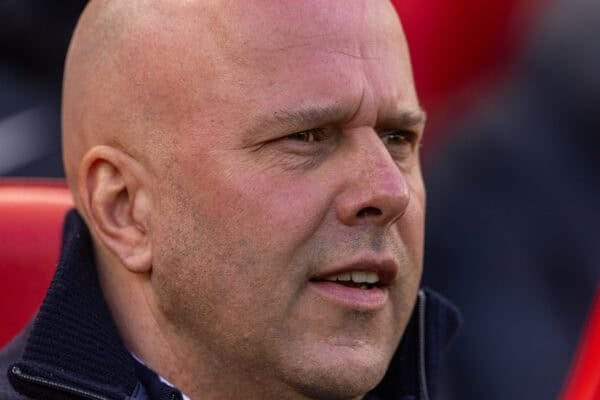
[(461, 48)]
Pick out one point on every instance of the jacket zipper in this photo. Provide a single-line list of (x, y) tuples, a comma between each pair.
[(55, 385), (423, 392)]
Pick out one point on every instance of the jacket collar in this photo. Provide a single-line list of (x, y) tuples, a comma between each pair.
[(74, 348), (415, 368)]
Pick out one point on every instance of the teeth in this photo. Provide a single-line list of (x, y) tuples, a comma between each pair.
[(345, 277), (359, 277), (355, 276), (372, 277)]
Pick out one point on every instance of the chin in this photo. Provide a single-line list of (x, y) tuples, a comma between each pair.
[(346, 374)]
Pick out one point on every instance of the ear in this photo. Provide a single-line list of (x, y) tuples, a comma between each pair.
[(113, 191)]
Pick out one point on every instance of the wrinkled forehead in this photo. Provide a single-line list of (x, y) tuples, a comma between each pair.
[(273, 22), (241, 28), (211, 58), (198, 44), (357, 26)]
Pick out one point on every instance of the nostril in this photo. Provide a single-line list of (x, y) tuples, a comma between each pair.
[(369, 212)]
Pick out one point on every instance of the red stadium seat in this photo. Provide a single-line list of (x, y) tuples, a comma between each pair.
[(584, 382), (31, 216)]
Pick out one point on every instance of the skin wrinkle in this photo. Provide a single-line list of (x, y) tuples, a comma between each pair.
[(234, 233), (292, 121), (311, 45)]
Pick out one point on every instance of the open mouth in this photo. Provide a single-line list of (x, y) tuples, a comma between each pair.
[(357, 289), (357, 279)]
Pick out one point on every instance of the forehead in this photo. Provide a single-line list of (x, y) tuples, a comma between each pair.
[(252, 57), (272, 23), (259, 31)]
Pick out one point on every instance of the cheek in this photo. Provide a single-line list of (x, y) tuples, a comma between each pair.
[(412, 224), (207, 278), (272, 209), (411, 229), (230, 247)]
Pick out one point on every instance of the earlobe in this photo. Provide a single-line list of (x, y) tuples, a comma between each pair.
[(114, 200)]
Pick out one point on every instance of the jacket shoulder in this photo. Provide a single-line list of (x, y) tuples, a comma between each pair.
[(9, 355)]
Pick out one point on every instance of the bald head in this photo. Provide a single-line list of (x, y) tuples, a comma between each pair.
[(106, 97), (133, 66)]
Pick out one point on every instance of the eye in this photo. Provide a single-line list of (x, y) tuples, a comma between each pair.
[(309, 136), (402, 144), (398, 137), (305, 136)]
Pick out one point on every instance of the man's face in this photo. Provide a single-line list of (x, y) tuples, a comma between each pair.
[(292, 161)]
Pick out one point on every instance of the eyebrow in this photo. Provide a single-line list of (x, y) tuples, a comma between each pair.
[(310, 117)]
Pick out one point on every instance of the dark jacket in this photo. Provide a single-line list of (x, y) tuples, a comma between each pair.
[(72, 350)]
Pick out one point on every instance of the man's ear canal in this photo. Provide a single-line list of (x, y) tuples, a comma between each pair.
[(113, 192)]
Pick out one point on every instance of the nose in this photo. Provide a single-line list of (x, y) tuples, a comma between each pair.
[(376, 190)]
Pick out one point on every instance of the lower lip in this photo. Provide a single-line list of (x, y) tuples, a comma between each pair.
[(355, 298)]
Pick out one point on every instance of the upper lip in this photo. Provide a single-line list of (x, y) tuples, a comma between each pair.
[(386, 269)]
